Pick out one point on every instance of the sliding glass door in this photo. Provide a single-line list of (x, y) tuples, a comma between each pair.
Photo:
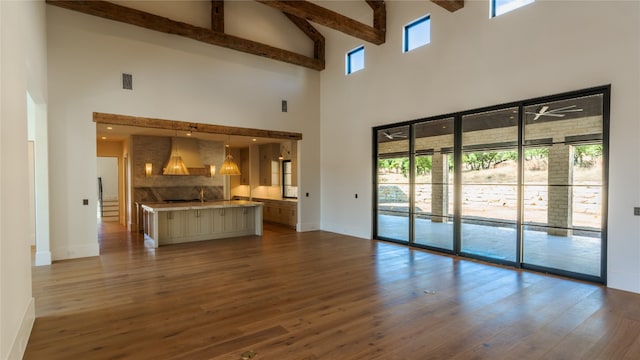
[(563, 185), (393, 179), (433, 174), (522, 184), (489, 184)]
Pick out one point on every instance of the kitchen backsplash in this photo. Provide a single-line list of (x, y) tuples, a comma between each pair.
[(176, 193)]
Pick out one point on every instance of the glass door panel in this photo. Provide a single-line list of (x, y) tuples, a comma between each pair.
[(433, 184), (563, 185), (394, 190), (489, 196)]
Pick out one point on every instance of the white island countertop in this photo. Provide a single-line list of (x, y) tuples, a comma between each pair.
[(199, 205)]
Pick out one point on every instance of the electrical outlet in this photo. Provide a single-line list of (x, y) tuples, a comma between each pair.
[(636, 211), (85, 201)]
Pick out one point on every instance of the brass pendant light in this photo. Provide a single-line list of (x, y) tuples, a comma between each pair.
[(229, 167), (175, 165)]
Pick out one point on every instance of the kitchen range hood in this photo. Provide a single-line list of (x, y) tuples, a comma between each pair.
[(184, 155)]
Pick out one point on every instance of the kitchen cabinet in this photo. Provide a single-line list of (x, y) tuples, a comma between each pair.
[(245, 166), (280, 212), (171, 224), (233, 220), (199, 222), (269, 165), (177, 223)]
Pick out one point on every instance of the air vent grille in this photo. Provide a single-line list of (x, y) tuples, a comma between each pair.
[(127, 81)]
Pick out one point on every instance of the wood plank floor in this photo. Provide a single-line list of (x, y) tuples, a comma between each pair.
[(316, 295)]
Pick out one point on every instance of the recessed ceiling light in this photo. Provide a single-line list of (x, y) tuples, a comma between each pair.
[(109, 128), (104, 138), (188, 134), (254, 139)]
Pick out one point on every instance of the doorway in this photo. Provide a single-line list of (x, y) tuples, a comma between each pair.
[(108, 200)]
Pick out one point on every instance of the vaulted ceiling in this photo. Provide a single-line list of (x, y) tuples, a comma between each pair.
[(301, 13)]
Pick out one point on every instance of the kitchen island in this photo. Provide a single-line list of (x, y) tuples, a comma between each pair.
[(171, 223)]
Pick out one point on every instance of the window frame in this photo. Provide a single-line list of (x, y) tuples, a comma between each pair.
[(348, 63), (284, 177), (520, 262), (406, 29), (492, 7)]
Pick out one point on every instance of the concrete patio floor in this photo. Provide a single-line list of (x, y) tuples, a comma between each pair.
[(579, 254)]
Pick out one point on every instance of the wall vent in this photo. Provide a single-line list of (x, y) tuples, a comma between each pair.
[(127, 81), (284, 105)]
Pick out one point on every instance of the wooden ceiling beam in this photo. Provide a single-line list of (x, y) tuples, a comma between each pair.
[(331, 19), (217, 15), (149, 21), (379, 14), (451, 5), (312, 33), (126, 120)]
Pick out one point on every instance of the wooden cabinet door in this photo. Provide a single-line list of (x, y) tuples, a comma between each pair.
[(244, 219), (199, 222), (171, 225), (292, 219), (244, 167)]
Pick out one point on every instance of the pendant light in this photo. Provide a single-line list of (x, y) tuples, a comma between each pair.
[(175, 165), (229, 167)]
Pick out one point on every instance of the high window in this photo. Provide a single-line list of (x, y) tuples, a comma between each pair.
[(521, 184), (417, 33), (355, 60), (499, 7)]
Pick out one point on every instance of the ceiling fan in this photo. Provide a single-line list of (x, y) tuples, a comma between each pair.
[(392, 136), (559, 112)]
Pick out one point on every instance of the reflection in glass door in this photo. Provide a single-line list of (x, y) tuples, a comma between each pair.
[(433, 188), (393, 181), (563, 185)]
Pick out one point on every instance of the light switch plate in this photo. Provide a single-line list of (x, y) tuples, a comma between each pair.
[(636, 211)]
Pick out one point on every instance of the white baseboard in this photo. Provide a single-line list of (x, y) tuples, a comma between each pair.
[(43, 258), (347, 230), (19, 344), (307, 227), (75, 251)]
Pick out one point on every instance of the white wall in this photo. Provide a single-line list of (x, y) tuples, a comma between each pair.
[(541, 49), (107, 168), (173, 78), (22, 70)]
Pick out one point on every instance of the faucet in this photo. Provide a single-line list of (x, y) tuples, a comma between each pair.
[(201, 195)]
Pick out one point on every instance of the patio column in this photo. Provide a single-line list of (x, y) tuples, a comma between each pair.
[(439, 193), (560, 205)]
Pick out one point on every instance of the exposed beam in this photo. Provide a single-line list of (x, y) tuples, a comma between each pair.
[(115, 119), (312, 33), (328, 18), (217, 15), (451, 5), (135, 17), (379, 14)]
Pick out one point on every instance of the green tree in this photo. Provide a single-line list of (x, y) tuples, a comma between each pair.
[(487, 159), (586, 155), (423, 165)]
